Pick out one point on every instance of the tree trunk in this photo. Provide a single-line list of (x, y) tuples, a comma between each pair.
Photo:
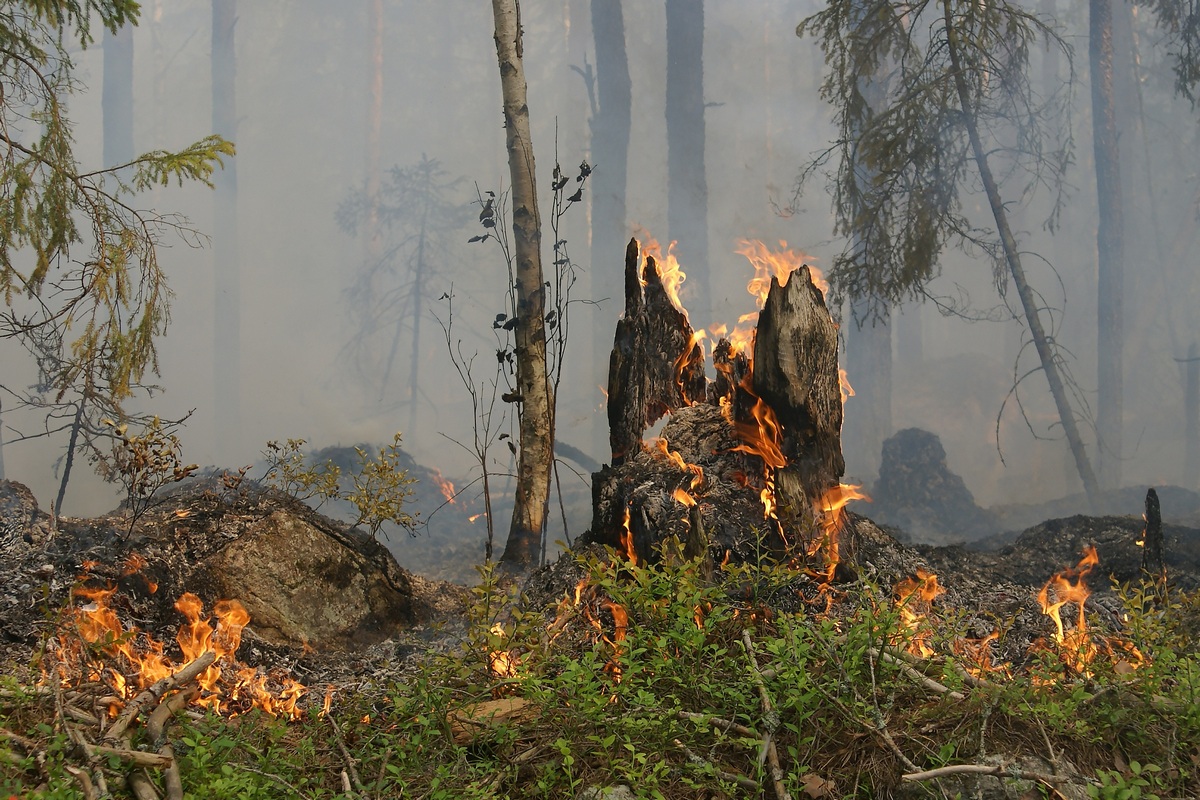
[(117, 96), (372, 168), (610, 153), (227, 366), (1110, 245), (536, 411), (687, 189), (1012, 257)]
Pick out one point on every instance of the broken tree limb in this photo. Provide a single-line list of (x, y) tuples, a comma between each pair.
[(923, 680), (770, 718), (981, 769), (154, 693), (740, 780)]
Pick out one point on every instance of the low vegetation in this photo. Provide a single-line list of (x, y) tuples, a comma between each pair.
[(677, 687)]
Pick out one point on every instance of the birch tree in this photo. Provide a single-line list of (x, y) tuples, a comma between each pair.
[(536, 454)]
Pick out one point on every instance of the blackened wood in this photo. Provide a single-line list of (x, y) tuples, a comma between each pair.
[(1152, 540), (731, 369), (796, 374), (656, 366)]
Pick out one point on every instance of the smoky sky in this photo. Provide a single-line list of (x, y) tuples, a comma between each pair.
[(303, 76)]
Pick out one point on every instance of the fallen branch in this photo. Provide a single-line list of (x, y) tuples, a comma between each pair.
[(138, 758), (723, 724), (741, 780), (770, 718), (924, 680), (982, 769), (350, 768), (155, 692)]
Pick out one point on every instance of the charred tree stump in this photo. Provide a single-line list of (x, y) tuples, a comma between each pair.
[(796, 375), (743, 461), (657, 364), (1153, 564)]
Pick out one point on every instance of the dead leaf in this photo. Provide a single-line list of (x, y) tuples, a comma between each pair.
[(816, 787)]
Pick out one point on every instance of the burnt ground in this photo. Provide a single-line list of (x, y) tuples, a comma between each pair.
[(990, 590)]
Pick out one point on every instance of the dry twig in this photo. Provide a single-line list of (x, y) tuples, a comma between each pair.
[(741, 780), (770, 718)]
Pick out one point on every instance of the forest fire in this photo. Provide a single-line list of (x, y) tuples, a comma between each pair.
[(135, 660), (668, 270)]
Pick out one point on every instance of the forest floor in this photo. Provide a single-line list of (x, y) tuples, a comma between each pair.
[(929, 673)]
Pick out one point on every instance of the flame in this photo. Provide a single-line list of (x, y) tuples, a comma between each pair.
[(778, 264), (502, 663), (660, 446), (1069, 586), (913, 598), (831, 519), (844, 385), (627, 548), (763, 435), (668, 269), (681, 496), (145, 659), (446, 487), (977, 657), (474, 517), (686, 359)]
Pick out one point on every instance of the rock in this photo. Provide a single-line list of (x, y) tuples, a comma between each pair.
[(918, 493), (302, 586), (21, 521)]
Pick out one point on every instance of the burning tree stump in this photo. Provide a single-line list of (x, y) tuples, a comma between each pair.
[(749, 458)]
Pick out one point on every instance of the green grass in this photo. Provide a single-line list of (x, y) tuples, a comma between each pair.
[(602, 709)]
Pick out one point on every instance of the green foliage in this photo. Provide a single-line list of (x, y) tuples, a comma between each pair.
[(145, 462), (903, 158), (82, 287), (377, 487), (1114, 785)]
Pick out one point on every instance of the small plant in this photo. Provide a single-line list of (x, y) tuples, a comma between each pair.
[(144, 463), (1115, 785), (378, 487), (289, 470)]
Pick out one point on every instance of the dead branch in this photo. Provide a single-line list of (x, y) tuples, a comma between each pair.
[(84, 780), (141, 786), (155, 692), (740, 780), (717, 722), (156, 723), (138, 758), (924, 680), (350, 768), (770, 718), (981, 769)]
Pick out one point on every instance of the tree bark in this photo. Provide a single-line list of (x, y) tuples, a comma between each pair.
[(687, 190), (1012, 257), (1110, 246), (656, 365), (610, 130), (227, 363), (536, 409)]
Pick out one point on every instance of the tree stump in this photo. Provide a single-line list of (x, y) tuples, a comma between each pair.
[(745, 458)]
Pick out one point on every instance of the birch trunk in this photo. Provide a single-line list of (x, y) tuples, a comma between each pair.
[(536, 426)]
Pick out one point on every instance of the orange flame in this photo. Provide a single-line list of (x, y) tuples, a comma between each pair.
[(145, 658), (763, 435), (682, 497), (503, 663), (1069, 586), (660, 445), (831, 518), (913, 598), (446, 487), (668, 269), (844, 385), (627, 548)]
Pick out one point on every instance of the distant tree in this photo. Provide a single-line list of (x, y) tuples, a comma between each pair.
[(612, 121), (417, 218), (536, 456), (1110, 246), (958, 103), (83, 291)]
